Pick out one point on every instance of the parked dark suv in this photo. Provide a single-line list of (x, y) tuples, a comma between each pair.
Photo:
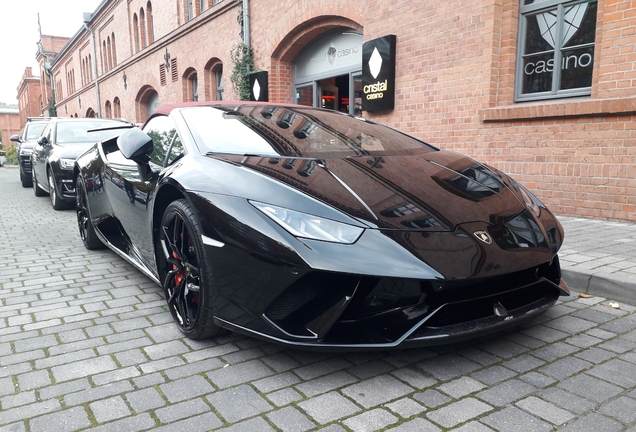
[(26, 141)]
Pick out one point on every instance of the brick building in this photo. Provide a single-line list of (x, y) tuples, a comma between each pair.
[(29, 96), (475, 77), (9, 124)]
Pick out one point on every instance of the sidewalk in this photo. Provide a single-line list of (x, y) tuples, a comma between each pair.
[(599, 257)]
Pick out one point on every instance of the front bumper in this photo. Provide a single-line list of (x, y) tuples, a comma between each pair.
[(64, 183), (338, 311)]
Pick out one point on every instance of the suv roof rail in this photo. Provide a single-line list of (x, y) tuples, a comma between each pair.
[(38, 118)]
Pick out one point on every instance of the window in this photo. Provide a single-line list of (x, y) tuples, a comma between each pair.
[(151, 30), (193, 87), (142, 28), (113, 51), (116, 108), (190, 9), (218, 75), (162, 130), (136, 32), (554, 32)]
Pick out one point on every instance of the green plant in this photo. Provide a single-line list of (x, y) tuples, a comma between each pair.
[(12, 155), (243, 59), (52, 109)]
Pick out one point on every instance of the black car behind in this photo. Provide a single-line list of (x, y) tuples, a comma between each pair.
[(62, 141)]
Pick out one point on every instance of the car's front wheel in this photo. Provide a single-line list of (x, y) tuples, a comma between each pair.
[(84, 223), (56, 201), (185, 271), (37, 190)]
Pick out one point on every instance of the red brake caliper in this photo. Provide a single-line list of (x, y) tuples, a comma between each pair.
[(178, 277)]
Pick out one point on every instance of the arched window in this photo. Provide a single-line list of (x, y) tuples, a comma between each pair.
[(89, 65), (136, 32), (113, 49), (116, 108), (151, 30), (142, 28), (109, 60), (190, 85), (90, 113), (108, 112), (103, 54), (214, 82)]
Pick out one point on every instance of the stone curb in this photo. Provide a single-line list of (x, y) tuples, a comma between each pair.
[(602, 286)]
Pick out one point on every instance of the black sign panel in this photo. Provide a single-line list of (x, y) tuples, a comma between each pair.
[(378, 74), (258, 86)]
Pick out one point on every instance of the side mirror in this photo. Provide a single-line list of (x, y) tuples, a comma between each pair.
[(43, 140), (15, 138), (135, 145)]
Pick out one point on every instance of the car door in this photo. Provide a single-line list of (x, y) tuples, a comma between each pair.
[(41, 152), (132, 198)]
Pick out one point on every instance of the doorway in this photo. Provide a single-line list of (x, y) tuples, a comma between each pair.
[(327, 73)]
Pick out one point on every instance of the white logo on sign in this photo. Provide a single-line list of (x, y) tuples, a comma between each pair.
[(257, 90), (331, 54), (547, 21), (375, 63)]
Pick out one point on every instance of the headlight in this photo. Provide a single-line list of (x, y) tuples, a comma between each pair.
[(67, 164), (304, 225), (25, 152)]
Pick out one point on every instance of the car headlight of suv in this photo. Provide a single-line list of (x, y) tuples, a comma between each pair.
[(308, 226), (67, 164)]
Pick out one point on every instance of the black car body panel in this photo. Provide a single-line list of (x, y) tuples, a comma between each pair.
[(449, 248)]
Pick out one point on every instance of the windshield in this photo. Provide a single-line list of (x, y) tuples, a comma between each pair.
[(293, 132), (77, 131), (34, 130)]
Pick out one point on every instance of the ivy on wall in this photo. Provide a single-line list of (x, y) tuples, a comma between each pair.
[(243, 59)]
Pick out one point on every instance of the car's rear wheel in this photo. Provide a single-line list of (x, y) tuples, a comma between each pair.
[(37, 190), (185, 271), (86, 228), (25, 180), (56, 201)]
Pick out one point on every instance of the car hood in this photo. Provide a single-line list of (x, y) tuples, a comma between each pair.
[(72, 151), (432, 191)]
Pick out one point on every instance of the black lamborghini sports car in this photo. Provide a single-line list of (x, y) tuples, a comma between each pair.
[(317, 229)]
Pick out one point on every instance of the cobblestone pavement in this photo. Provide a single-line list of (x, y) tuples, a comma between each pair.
[(87, 343)]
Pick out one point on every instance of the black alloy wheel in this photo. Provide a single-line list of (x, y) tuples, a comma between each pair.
[(84, 223), (37, 190), (56, 201), (184, 269)]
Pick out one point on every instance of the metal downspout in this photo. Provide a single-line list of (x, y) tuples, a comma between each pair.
[(99, 102), (246, 22)]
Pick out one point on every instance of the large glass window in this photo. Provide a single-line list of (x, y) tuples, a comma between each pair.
[(551, 33)]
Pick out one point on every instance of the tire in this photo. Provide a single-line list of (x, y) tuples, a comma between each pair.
[(84, 224), (56, 201), (185, 271), (37, 190), (25, 180)]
